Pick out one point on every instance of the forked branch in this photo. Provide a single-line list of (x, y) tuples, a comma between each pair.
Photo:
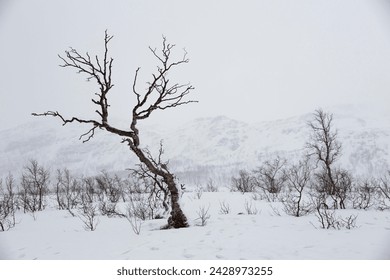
[(161, 93)]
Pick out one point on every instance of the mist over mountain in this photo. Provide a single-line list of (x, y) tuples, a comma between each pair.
[(204, 148)]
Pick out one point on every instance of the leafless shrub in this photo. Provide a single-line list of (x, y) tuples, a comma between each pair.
[(140, 208), (269, 197), (328, 220), (224, 208), (158, 207), (298, 177), (145, 206), (109, 209), (105, 191), (250, 209), (135, 222), (34, 187), (88, 214), (210, 186), (261, 194), (134, 185), (85, 199), (203, 215), (88, 190), (327, 217), (363, 196), (7, 204), (321, 182), (271, 178), (343, 186), (243, 183), (295, 206), (68, 191), (110, 196), (384, 192), (338, 188), (349, 222), (110, 186)]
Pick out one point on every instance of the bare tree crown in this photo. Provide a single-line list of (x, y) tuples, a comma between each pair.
[(323, 143), (160, 94)]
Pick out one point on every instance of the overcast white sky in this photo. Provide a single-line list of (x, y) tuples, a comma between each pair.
[(250, 60)]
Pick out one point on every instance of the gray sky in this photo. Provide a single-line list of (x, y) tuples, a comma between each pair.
[(250, 60)]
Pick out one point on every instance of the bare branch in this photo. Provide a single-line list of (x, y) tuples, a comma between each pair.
[(160, 94), (89, 134)]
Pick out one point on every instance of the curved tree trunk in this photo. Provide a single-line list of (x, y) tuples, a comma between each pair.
[(177, 218)]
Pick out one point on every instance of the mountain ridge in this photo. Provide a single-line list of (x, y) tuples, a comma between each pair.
[(204, 147)]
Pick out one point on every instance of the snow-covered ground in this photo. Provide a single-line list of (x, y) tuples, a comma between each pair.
[(54, 234)]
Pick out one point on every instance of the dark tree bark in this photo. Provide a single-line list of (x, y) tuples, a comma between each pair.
[(160, 94)]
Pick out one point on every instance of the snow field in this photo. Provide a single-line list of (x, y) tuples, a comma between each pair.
[(55, 234)]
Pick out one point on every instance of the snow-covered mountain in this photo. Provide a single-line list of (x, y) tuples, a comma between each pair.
[(201, 149)]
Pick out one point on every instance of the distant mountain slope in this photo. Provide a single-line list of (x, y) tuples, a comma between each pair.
[(203, 147)]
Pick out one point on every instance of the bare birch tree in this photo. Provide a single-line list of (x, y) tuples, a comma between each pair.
[(161, 94), (324, 147)]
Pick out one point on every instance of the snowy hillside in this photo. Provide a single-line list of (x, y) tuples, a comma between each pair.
[(204, 147)]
